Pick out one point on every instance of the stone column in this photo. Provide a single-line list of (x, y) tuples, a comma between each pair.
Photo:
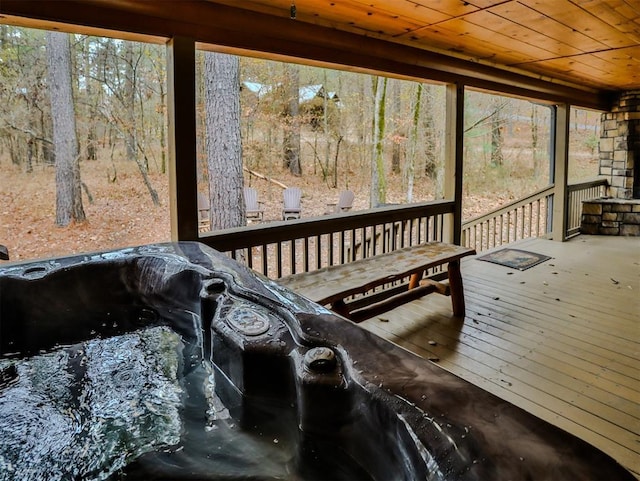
[(620, 146)]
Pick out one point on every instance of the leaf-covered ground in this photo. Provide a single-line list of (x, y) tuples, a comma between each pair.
[(122, 213)]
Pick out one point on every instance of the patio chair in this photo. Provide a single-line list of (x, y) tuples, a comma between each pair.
[(291, 208), (344, 204), (253, 205), (203, 213)]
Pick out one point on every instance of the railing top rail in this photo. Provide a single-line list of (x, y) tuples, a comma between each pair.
[(587, 184), (281, 231)]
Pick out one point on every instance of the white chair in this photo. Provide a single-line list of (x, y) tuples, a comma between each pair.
[(291, 208), (344, 204), (203, 213), (253, 205)]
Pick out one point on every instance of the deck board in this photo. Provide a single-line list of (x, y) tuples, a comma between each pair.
[(561, 339)]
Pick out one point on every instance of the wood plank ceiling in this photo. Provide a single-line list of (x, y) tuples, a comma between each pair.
[(577, 51), (595, 43)]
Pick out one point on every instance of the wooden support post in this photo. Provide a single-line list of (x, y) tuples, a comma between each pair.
[(559, 172), (454, 160), (457, 291), (181, 113)]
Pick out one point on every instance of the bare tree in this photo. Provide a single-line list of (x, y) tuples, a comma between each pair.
[(90, 100), (537, 161), (399, 135), (68, 186), (411, 158), (128, 95), (378, 179), (496, 132), (224, 144), (25, 124), (292, 126), (429, 128)]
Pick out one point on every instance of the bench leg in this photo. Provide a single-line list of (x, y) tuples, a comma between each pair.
[(457, 291), (414, 280)]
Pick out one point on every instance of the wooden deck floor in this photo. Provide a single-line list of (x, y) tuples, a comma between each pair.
[(561, 339)]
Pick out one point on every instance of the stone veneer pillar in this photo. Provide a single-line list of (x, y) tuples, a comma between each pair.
[(620, 146), (611, 217)]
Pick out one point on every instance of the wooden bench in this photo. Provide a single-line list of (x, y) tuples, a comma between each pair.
[(332, 285)]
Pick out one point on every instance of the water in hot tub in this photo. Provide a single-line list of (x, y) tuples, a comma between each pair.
[(116, 408)]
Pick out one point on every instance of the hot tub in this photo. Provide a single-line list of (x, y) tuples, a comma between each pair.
[(171, 361)]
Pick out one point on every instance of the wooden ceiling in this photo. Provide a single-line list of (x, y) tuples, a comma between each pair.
[(595, 43), (579, 51)]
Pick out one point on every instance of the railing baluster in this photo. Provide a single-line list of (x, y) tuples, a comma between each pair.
[(279, 258), (318, 252), (331, 249), (263, 253), (522, 223), (373, 242), (305, 243), (250, 257), (487, 234), (385, 241), (495, 229), (426, 229), (412, 231)]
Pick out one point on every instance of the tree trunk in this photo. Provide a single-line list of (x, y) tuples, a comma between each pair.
[(30, 155), (537, 164), (430, 163), (91, 150), (224, 144), (411, 160), (496, 135), (68, 185), (162, 107), (292, 125), (378, 180), (398, 129), (327, 143), (129, 101)]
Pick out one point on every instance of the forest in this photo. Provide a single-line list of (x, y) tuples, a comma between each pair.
[(260, 123)]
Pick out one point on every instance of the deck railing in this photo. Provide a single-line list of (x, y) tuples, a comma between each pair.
[(578, 193), (277, 249), (529, 217)]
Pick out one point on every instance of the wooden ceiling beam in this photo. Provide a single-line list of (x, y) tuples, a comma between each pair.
[(234, 28)]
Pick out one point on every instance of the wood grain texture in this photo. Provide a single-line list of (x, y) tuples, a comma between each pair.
[(335, 283), (527, 33), (561, 339)]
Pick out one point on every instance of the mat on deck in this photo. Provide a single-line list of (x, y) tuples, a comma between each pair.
[(514, 258)]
